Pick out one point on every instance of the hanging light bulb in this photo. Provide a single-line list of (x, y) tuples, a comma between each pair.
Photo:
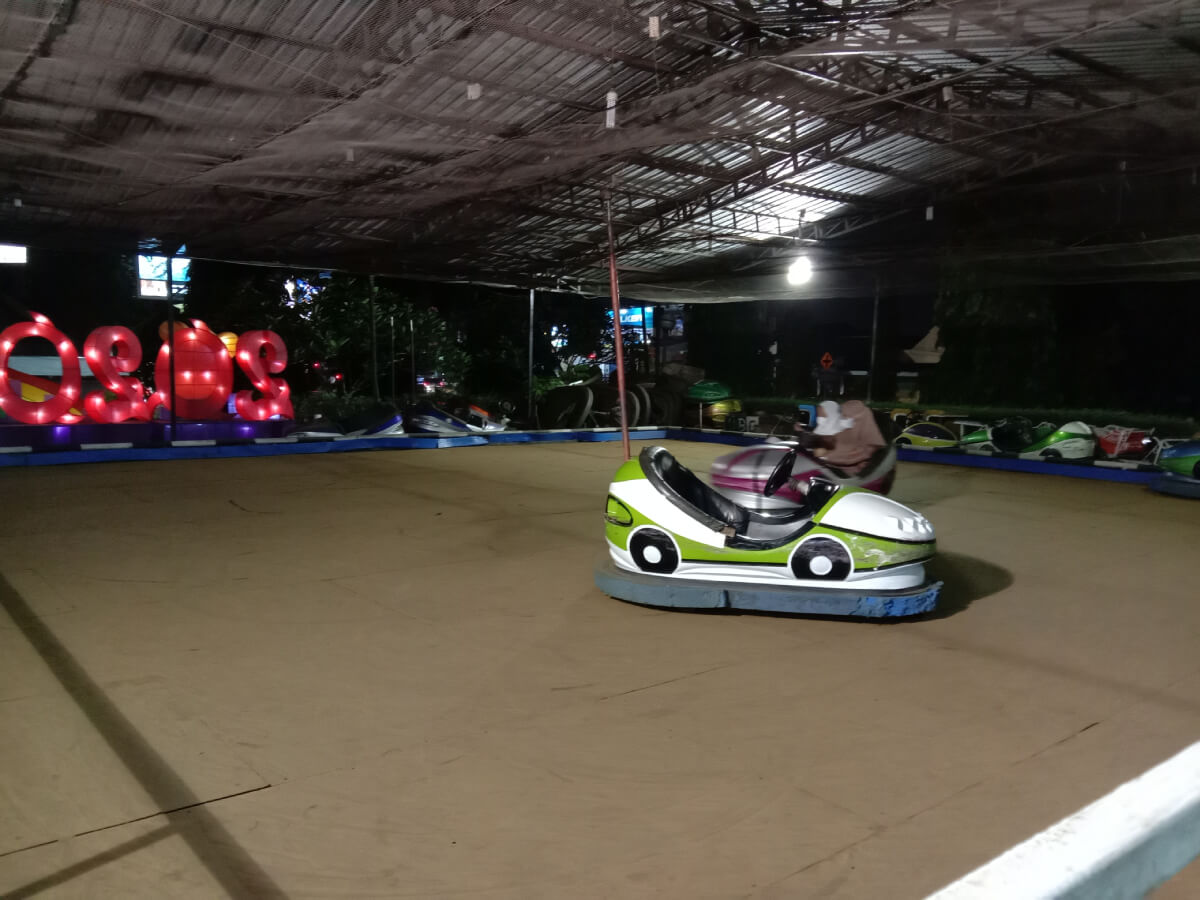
[(800, 271), (14, 253)]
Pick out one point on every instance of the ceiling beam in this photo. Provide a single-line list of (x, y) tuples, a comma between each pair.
[(562, 42), (1015, 32), (706, 200)]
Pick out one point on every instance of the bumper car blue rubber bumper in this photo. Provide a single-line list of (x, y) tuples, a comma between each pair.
[(1176, 485), (684, 593)]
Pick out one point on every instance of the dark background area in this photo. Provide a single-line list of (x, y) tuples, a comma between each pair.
[(1125, 346)]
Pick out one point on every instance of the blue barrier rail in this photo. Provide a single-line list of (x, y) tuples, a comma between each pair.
[(287, 446)]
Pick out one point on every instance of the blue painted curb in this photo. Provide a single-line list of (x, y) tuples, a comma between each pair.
[(712, 436), (557, 435), (1083, 469), (284, 447), (637, 434), (234, 451)]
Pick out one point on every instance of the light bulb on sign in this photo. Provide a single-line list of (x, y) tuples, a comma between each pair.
[(800, 271)]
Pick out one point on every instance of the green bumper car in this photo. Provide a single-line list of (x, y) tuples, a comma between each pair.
[(675, 541), (1180, 462), (1046, 441), (926, 436)]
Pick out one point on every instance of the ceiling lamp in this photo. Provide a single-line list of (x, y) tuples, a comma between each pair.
[(13, 253), (800, 271)]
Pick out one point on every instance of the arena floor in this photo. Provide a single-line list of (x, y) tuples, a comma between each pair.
[(389, 675)]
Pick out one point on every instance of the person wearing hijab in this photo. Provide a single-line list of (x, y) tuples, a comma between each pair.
[(830, 419), (858, 441), (846, 436)]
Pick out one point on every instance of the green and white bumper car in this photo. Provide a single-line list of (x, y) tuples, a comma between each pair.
[(675, 541), (1047, 441)]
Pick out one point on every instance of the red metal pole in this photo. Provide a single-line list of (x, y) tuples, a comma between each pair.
[(616, 305)]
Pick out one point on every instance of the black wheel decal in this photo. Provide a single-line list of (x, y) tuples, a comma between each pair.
[(821, 558), (668, 556)]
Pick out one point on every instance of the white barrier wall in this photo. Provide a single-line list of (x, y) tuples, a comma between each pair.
[(1122, 846)]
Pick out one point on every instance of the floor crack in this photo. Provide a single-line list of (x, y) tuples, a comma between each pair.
[(647, 687), (167, 812)]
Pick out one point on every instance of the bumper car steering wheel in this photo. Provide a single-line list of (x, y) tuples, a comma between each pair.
[(780, 474)]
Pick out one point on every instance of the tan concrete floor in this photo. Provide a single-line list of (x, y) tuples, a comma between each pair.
[(389, 675)]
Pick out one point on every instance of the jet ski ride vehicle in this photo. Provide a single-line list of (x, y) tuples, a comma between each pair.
[(470, 419), (379, 421)]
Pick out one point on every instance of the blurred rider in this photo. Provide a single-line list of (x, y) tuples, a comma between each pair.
[(846, 436)]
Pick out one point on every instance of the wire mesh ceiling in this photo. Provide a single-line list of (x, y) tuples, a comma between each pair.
[(482, 139)]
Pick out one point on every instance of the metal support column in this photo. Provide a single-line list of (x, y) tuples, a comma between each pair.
[(616, 306), (529, 412), (171, 353), (374, 340), (874, 338)]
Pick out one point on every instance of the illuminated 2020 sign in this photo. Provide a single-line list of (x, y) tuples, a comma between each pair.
[(203, 375)]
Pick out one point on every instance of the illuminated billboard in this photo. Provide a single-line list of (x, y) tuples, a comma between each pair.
[(632, 316), (160, 277)]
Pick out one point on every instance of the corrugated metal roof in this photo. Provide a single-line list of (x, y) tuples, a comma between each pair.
[(468, 139)]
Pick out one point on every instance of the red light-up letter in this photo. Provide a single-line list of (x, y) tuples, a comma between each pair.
[(260, 353), (110, 350), (56, 407), (203, 374)]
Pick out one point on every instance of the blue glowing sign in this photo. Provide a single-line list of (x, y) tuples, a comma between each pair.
[(632, 316)]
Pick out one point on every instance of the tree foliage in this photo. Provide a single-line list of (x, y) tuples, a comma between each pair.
[(325, 320)]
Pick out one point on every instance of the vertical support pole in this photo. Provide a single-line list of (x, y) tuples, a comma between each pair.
[(171, 353), (374, 340), (530, 408), (645, 341), (412, 358), (874, 337), (659, 346), (392, 364), (616, 307)]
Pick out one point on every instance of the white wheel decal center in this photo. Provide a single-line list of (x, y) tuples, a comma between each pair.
[(652, 554), (820, 565)]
